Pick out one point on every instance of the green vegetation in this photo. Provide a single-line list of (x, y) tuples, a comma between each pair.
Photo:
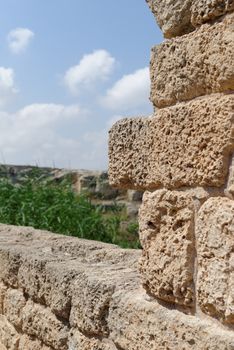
[(43, 204)]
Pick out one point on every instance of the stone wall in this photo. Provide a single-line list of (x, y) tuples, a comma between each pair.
[(183, 158), (177, 293), (63, 293)]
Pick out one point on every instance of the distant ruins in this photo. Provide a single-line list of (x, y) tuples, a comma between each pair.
[(62, 293)]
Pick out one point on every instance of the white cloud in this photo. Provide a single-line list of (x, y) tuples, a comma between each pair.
[(91, 69), (35, 134), (7, 85), (19, 39), (129, 93)]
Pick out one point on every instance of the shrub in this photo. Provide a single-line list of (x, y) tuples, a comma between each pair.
[(42, 204)]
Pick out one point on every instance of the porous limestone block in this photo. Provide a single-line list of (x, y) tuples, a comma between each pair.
[(90, 303), (78, 341), (188, 144), (8, 335), (196, 64), (38, 321), (166, 231), (3, 290), (229, 190), (178, 17), (138, 322), (14, 302), (93, 292), (172, 16), (2, 347), (215, 252), (27, 343), (208, 10)]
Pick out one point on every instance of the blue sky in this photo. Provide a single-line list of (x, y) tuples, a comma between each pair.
[(68, 70)]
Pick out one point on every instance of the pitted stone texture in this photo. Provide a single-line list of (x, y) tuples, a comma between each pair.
[(196, 64), (8, 335), (215, 250), (27, 343), (172, 16), (207, 10), (167, 237), (3, 290), (92, 294), (229, 190), (188, 144), (139, 323), (178, 17), (14, 302), (45, 268), (39, 322), (79, 341)]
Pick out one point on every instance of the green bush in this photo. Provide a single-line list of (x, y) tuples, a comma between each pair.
[(43, 204)]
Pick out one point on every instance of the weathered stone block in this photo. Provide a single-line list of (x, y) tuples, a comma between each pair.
[(194, 65), (207, 10), (178, 17), (93, 292), (14, 302), (172, 16), (90, 303), (8, 335), (138, 322), (27, 343), (167, 237), (188, 144), (3, 290), (215, 251), (39, 322), (229, 190), (79, 341)]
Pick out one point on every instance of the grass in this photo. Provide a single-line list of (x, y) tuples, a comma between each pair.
[(42, 204)]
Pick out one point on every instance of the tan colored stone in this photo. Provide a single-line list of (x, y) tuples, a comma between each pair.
[(3, 290), (93, 292), (138, 322), (2, 347), (39, 322), (27, 343), (14, 302), (188, 144), (229, 190), (208, 10), (215, 251), (8, 335), (167, 237), (196, 64), (178, 17), (172, 16), (78, 341)]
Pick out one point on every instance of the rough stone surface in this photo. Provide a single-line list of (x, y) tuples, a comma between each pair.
[(207, 10), (39, 322), (8, 335), (79, 341), (3, 290), (14, 302), (122, 317), (188, 144), (167, 237), (138, 322), (215, 250), (196, 64), (27, 343), (178, 17), (173, 16), (229, 190)]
